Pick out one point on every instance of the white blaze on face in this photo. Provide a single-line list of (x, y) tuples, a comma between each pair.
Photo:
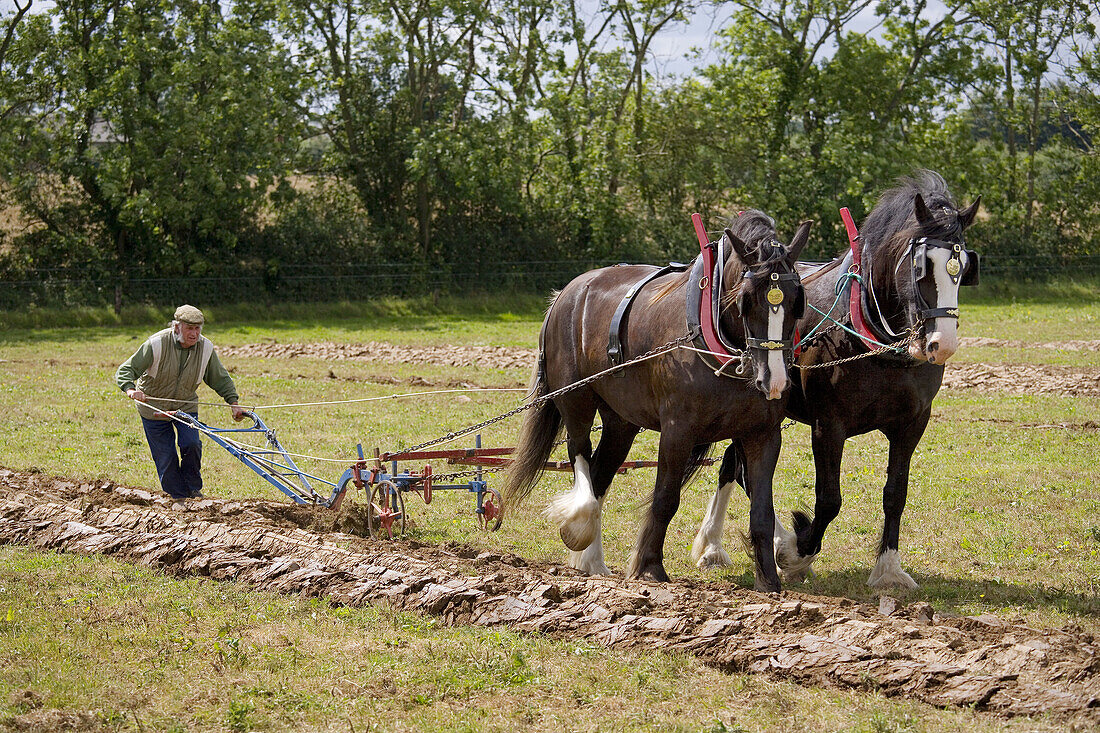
[(943, 341), (776, 368)]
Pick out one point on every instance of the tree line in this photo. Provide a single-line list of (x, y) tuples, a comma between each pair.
[(187, 138)]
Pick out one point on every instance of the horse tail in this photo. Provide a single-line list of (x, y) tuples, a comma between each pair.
[(699, 455), (537, 437)]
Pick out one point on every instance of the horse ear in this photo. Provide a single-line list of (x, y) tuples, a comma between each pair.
[(924, 216), (739, 247), (966, 216), (800, 238)]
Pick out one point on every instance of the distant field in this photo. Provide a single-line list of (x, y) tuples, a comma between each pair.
[(1003, 517)]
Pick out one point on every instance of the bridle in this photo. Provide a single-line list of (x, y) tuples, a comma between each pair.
[(775, 297), (705, 284), (917, 255)]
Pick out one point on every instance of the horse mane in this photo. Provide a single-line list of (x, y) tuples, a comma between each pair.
[(757, 230), (892, 223), (754, 228)]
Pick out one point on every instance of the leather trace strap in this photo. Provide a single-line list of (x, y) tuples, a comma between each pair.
[(615, 334)]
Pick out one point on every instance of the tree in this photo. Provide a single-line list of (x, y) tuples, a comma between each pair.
[(164, 126)]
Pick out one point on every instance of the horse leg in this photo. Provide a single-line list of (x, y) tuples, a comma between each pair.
[(828, 448), (615, 441), (888, 571), (577, 512), (761, 454), (707, 550), (647, 560)]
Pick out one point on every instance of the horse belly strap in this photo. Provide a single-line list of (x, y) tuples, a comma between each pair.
[(618, 321)]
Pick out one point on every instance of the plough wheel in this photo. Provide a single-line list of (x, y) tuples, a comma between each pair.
[(386, 515), (493, 510)]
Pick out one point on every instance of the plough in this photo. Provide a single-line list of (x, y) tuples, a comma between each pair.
[(386, 516)]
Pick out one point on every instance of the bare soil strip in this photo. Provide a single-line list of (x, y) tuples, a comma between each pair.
[(1023, 379), (966, 342), (491, 357), (1013, 378), (993, 664)]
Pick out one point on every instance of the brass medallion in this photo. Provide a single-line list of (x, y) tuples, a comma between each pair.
[(775, 296)]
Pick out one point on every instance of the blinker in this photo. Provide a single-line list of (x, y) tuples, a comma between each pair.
[(920, 261), (970, 277)]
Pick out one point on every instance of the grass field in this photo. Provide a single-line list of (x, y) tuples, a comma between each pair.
[(1003, 517)]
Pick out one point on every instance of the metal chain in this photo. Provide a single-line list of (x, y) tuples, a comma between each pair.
[(824, 332), (459, 474), (913, 332), (670, 346)]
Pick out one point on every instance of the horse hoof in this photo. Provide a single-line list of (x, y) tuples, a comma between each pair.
[(654, 572), (714, 558), (588, 566), (762, 586), (888, 572), (795, 570)]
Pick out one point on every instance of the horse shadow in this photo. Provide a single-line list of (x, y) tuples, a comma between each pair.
[(952, 594)]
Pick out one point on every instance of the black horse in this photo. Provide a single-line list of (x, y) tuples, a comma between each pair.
[(675, 393), (914, 259)]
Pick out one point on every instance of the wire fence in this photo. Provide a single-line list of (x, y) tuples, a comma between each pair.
[(321, 283)]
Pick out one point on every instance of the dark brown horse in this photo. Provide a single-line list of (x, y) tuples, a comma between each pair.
[(914, 259), (675, 393)]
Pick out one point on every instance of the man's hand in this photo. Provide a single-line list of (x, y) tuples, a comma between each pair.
[(136, 394), (238, 412)]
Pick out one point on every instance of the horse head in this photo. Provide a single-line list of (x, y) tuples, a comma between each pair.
[(767, 294), (919, 259), (936, 264)]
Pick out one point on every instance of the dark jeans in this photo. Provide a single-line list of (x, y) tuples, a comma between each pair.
[(179, 474)]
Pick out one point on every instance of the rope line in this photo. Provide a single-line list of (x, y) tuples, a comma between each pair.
[(345, 402)]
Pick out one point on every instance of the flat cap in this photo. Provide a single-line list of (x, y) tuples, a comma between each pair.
[(189, 314)]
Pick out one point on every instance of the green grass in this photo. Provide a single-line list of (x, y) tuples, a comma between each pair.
[(1003, 516), (132, 649), (438, 316)]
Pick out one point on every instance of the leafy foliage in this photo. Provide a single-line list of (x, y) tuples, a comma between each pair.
[(154, 138)]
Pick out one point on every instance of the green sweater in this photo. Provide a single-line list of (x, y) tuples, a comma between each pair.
[(176, 377)]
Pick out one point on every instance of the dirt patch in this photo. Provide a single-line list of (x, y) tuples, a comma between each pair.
[(350, 518), (52, 720), (1023, 379), (1019, 379), (489, 357), (966, 342), (989, 663)]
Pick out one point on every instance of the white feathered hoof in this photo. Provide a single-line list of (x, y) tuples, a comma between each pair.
[(709, 554), (888, 572), (588, 562), (796, 569), (793, 568), (713, 557), (578, 521)]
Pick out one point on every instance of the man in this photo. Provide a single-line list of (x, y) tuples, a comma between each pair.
[(165, 373)]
